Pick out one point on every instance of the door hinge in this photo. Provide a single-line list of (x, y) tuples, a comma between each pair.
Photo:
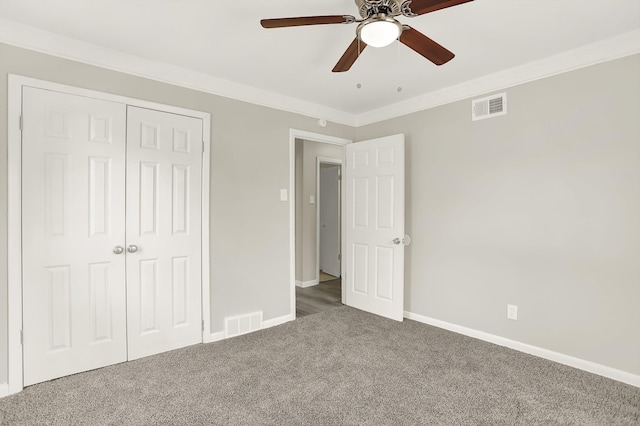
[(202, 325), (20, 123), (202, 146), (339, 256), (21, 337)]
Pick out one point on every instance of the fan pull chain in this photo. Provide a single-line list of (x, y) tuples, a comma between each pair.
[(398, 64)]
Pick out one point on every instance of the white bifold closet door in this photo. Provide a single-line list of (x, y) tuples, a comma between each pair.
[(73, 213), (111, 233), (164, 156)]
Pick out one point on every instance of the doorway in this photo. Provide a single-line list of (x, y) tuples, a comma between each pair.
[(327, 293), (317, 210), (374, 226), (373, 268), (328, 250)]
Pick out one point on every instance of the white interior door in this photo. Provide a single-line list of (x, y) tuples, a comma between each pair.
[(73, 217), (329, 218), (164, 167), (374, 185)]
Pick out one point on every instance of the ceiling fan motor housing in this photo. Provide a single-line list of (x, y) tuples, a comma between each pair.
[(369, 8)]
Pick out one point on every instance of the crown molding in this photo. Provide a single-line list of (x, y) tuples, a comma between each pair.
[(31, 38), (602, 51)]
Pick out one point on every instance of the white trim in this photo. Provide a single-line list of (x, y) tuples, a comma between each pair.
[(277, 321), (42, 41), (325, 160), (4, 390), (581, 364), (14, 225), (316, 137), (292, 223), (206, 234), (305, 284), (216, 337), (15, 84), (88, 93), (220, 335), (32, 38), (605, 50)]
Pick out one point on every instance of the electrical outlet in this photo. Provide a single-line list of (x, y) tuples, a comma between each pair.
[(512, 312)]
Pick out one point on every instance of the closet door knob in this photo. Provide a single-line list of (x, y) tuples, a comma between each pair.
[(132, 248), (118, 250)]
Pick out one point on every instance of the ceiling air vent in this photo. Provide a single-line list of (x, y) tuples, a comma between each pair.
[(491, 106)]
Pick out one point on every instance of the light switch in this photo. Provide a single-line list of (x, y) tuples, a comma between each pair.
[(312, 199), (283, 195)]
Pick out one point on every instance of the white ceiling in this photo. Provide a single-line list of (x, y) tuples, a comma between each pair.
[(224, 39)]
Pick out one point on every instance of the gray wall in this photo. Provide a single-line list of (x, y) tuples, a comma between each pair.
[(539, 208), (249, 164), (306, 265)]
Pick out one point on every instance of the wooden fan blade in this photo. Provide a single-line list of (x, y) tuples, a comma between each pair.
[(420, 7), (425, 46), (350, 55), (307, 20)]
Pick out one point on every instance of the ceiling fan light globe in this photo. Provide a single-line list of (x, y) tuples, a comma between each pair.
[(379, 33)]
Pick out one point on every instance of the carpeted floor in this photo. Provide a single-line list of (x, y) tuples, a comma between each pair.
[(338, 367)]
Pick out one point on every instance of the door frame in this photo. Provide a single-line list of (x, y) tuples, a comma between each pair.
[(332, 161), (314, 137), (14, 171)]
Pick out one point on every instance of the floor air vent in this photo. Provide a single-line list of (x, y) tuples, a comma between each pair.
[(491, 106), (242, 324)]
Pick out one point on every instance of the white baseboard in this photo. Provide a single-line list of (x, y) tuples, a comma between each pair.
[(277, 321), (214, 337), (309, 283), (4, 390), (581, 364)]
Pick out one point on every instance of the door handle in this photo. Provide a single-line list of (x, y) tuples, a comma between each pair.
[(132, 248), (406, 240), (118, 250)]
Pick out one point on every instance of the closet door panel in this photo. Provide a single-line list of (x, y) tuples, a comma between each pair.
[(164, 163), (73, 178)]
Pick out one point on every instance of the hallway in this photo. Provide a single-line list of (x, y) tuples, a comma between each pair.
[(318, 298)]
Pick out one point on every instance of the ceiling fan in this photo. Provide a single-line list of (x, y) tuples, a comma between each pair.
[(379, 27)]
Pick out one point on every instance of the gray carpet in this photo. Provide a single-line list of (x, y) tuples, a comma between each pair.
[(339, 367)]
